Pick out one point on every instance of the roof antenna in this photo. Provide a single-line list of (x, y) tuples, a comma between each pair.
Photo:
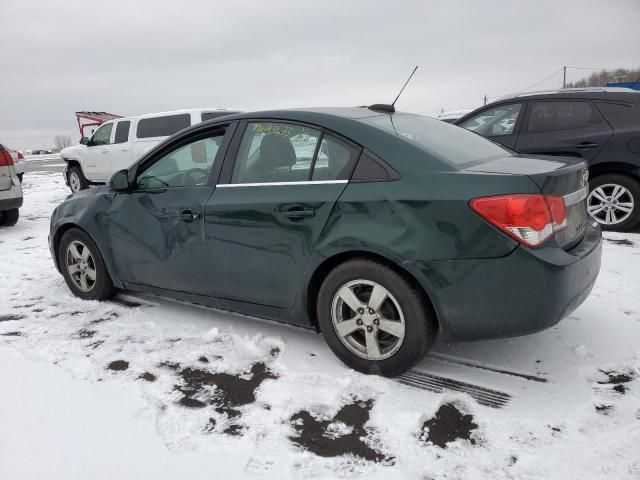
[(382, 107)]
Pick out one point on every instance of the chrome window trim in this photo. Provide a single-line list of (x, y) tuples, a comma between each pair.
[(575, 197), (309, 182)]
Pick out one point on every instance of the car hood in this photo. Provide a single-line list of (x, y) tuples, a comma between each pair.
[(89, 192), (72, 151)]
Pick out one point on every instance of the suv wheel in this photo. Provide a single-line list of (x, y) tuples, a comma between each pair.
[(77, 180), (614, 201), (373, 319), (83, 267), (9, 218)]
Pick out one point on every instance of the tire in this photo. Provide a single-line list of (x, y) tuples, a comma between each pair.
[(361, 277), (100, 288), (9, 218), (77, 180), (602, 189)]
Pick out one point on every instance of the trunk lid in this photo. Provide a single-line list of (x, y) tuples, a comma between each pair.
[(562, 176)]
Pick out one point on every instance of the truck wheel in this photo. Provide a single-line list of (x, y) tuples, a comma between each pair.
[(9, 218), (614, 201), (77, 180)]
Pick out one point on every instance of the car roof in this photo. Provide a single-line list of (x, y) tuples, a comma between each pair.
[(178, 112), (598, 93)]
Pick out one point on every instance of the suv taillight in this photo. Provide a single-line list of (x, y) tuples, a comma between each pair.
[(5, 158), (529, 218), (20, 156)]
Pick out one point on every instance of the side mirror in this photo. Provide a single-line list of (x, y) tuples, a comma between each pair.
[(84, 140), (119, 181)]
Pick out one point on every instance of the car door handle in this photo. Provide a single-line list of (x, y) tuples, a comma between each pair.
[(188, 216), (299, 212), (586, 145), (124, 149)]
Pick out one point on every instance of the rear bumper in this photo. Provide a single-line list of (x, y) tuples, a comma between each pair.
[(11, 198), (527, 291)]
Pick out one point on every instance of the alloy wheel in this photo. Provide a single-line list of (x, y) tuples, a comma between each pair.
[(610, 204), (368, 319), (80, 266), (74, 182)]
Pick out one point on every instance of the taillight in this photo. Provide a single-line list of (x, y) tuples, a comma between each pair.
[(20, 156), (529, 218), (5, 158)]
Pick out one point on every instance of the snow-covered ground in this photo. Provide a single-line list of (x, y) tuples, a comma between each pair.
[(144, 387)]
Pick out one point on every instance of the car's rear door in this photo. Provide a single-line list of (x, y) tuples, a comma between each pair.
[(564, 127), (157, 229), (276, 192)]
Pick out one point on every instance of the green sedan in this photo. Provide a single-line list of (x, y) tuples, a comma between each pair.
[(381, 230)]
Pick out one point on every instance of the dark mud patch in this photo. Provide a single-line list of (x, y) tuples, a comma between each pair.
[(126, 303), (344, 434), (148, 377), (169, 365), (618, 379), (275, 352), (11, 334), (603, 409), (10, 317), (95, 344), (448, 424), (227, 393), (37, 310), (622, 241), (118, 365), (28, 305), (28, 238), (85, 333), (203, 359)]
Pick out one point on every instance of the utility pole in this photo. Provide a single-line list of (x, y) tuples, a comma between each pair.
[(485, 98), (564, 77)]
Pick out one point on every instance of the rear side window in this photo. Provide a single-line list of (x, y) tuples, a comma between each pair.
[(122, 132), (273, 152), (552, 116), (612, 110), (334, 161), (162, 126), (496, 121)]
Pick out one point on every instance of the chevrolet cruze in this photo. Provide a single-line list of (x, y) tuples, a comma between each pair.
[(378, 228)]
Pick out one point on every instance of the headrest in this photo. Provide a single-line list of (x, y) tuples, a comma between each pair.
[(276, 151)]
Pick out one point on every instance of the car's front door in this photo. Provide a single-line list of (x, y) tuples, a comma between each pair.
[(157, 228), (120, 154), (500, 124), (564, 127), (96, 162), (266, 215)]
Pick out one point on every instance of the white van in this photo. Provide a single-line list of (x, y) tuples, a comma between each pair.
[(118, 143)]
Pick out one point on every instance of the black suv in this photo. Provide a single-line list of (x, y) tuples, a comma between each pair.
[(600, 125)]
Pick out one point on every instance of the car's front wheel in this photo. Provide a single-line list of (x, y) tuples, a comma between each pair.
[(77, 180), (82, 266), (614, 201), (373, 319)]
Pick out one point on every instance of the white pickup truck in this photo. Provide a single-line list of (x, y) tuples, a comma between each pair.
[(118, 143)]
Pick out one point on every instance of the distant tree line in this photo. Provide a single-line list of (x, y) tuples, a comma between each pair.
[(600, 79)]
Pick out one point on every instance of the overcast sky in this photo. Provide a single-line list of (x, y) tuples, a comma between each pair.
[(133, 57)]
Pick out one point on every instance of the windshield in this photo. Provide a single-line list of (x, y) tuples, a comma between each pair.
[(450, 143)]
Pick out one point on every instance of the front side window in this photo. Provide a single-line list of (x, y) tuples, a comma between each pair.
[(102, 135), (162, 126), (496, 121), (275, 152), (122, 132), (551, 116), (187, 166)]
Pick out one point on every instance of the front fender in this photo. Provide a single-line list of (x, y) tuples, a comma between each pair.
[(89, 211)]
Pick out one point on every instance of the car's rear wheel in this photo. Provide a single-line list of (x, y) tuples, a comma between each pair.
[(614, 201), (82, 266), (373, 319), (9, 218), (77, 180)]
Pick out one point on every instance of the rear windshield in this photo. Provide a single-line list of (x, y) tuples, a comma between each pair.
[(450, 143)]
